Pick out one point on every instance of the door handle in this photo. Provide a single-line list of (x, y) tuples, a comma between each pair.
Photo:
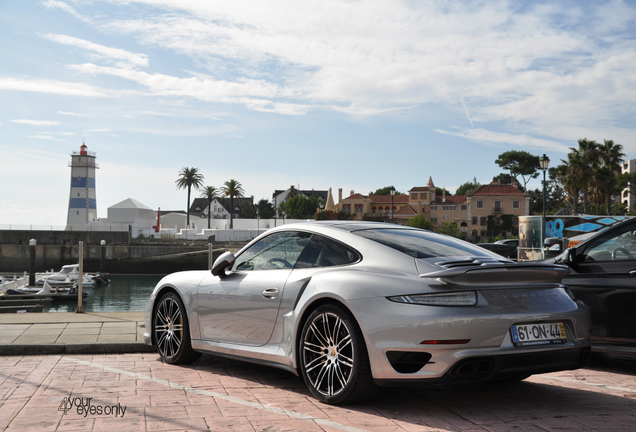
[(270, 293)]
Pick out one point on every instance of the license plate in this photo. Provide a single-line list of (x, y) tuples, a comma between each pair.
[(538, 334)]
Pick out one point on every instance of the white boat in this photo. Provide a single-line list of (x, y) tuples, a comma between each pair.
[(68, 276), (68, 272)]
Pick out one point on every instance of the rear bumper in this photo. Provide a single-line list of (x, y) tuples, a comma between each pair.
[(509, 366)]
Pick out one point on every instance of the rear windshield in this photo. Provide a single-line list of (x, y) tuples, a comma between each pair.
[(422, 244)]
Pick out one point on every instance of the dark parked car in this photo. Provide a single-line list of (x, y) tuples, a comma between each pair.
[(603, 276), (503, 249)]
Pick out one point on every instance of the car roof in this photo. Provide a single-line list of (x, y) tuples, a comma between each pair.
[(349, 226), (613, 227)]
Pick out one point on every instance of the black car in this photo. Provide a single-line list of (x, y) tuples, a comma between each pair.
[(503, 249), (603, 276)]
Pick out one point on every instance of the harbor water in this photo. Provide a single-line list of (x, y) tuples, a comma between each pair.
[(124, 293)]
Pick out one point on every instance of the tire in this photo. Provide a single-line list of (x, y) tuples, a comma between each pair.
[(171, 331), (333, 358)]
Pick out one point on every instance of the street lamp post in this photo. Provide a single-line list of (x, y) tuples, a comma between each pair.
[(392, 194), (258, 223), (544, 163)]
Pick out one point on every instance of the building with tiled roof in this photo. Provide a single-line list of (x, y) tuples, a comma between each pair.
[(472, 212), (371, 207)]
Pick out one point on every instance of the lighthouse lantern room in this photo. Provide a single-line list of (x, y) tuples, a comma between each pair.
[(82, 203)]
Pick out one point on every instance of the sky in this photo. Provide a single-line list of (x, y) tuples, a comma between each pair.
[(356, 94)]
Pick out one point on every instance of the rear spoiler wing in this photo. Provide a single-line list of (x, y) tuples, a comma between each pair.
[(501, 274)]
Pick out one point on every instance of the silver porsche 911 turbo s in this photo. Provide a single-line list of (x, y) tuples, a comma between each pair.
[(355, 306)]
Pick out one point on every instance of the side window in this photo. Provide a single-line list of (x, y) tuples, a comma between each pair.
[(324, 252), (617, 246), (277, 251)]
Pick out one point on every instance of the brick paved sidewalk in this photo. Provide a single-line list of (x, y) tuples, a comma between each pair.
[(138, 392)]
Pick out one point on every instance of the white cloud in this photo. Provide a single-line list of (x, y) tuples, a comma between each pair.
[(371, 56), (72, 114), (36, 122), (104, 52), (489, 137), (50, 86), (46, 136), (540, 68), (54, 4)]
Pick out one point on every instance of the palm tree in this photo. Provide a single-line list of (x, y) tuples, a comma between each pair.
[(189, 178), (232, 189), (611, 156), (209, 192)]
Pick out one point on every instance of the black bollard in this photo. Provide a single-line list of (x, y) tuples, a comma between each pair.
[(32, 244)]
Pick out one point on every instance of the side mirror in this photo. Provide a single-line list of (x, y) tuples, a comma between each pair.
[(226, 259), (570, 256)]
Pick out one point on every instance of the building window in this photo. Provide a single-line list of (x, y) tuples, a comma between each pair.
[(434, 220), (373, 209), (413, 196), (433, 208), (464, 224), (498, 207), (480, 204), (475, 222), (483, 221), (516, 204), (464, 207), (346, 208), (358, 208), (443, 217)]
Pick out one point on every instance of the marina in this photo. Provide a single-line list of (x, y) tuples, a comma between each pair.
[(124, 293)]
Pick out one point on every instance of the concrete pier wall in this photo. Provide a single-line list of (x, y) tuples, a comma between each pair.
[(22, 237), (135, 259)]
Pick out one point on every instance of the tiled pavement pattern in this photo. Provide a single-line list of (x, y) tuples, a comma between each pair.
[(225, 395)]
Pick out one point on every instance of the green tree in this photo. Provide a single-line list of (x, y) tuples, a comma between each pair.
[(189, 178), (248, 209), (292, 192), (210, 193), (440, 192), (593, 170), (420, 221), (386, 190), (232, 189), (611, 156), (450, 229), (520, 164), (467, 187), (301, 207), (265, 209), (504, 179)]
